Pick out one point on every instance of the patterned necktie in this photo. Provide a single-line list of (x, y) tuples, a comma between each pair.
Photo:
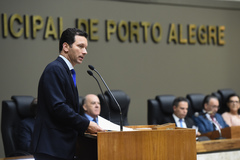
[(73, 76), (181, 124), (216, 122)]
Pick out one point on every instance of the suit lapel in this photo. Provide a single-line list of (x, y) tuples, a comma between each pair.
[(74, 88)]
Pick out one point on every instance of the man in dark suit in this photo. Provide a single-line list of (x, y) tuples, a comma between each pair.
[(57, 122), (209, 120), (179, 116)]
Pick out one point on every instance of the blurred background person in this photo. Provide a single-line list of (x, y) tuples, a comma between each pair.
[(232, 117), (92, 108), (179, 116), (209, 120)]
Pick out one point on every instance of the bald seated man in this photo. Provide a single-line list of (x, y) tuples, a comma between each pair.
[(92, 108)]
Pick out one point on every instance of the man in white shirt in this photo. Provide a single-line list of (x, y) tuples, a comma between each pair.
[(179, 116)]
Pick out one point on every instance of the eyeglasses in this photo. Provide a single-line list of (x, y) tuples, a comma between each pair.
[(233, 102)]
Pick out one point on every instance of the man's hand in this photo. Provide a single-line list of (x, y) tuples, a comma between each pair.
[(94, 128)]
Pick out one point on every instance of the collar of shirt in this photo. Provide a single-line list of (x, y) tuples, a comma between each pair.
[(67, 62), (176, 118), (90, 118)]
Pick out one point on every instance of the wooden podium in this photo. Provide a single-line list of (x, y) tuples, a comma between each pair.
[(148, 142)]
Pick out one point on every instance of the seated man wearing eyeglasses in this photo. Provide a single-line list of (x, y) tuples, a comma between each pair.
[(209, 120), (232, 117)]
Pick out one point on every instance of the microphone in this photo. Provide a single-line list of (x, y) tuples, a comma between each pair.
[(120, 110), (91, 74), (197, 114)]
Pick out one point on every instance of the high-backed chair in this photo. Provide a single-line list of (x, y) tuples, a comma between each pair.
[(110, 110), (195, 103), (159, 108), (224, 93), (81, 111), (13, 111)]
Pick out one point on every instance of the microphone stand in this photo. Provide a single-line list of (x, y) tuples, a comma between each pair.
[(91, 74), (121, 121)]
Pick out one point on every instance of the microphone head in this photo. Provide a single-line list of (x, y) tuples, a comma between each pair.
[(91, 67), (196, 114), (90, 73)]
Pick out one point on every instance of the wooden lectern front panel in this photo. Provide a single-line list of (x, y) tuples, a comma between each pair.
[(177, 144)]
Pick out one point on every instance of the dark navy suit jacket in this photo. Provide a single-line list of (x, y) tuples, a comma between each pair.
[(205, 125), (189, 122), (57, 122)]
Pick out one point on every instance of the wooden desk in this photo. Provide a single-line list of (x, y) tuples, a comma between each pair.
[(218, 145)]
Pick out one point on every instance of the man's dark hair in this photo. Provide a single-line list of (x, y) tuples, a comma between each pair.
[(179, 99), (207, 99), (68, 36)]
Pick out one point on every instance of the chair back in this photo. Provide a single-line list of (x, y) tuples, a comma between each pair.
[(13, 111), (111, 110), (195, 103)]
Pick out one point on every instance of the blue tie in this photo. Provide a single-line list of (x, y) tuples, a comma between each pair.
[(95, 120), (74, 76), (181, 124)]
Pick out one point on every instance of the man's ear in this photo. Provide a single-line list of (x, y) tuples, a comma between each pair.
[(65, 47), (84, 107), (174, 108)]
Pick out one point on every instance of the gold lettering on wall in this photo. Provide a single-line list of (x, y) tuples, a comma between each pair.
[(123, 31), (50, 29), (202, 34), (18, 19), (212, 34), (60, 26), (192, 33), (172, 34), (221, 30), (37, 24), (156, 32), (26, 26), (134, 31), (18, 25), (145, 26), (111, 28), (180, 31), (93, 30)]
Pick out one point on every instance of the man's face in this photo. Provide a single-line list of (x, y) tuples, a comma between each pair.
[(92, 106), (77, 51), (212, 106), (181, 110)]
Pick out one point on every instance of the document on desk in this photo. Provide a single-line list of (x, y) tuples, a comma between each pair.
[(107, 125)]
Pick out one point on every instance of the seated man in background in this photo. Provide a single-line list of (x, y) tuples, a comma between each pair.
[(232, 117), (25, 129), (92, 109), (209, 120), (179, 116)]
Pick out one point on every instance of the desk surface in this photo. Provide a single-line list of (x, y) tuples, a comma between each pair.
[(202, 147), (218, 145)]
